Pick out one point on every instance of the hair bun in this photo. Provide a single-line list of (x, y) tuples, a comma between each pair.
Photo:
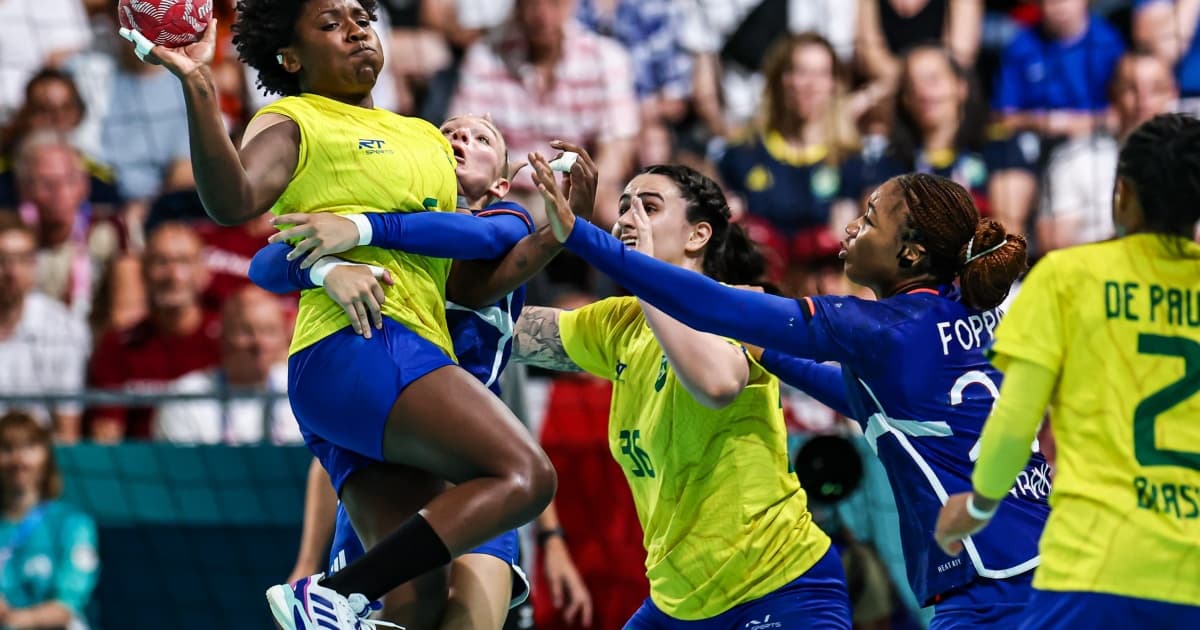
[(991, 261), (989, 237)]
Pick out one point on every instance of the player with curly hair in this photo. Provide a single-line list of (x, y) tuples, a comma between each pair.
[(397, 399)]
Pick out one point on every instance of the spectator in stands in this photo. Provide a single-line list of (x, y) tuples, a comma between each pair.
[(939, 129), (889, 28), (786, 167), (662, 69), (144, 133), (1053, 79), (53, 102), (1167, 30), (729, 40), (254, 340), (78, 251), (50, 558), (1051, 85), (1078, 187), (35, 34), (43, 348), (178, 335), (546, 77)]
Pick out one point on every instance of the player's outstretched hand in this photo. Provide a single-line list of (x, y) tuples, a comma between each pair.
[(568, 593), (181, 61), (642, 237), (579, 187), (954, 524), (357, 289), (558, 210), (321, 234)]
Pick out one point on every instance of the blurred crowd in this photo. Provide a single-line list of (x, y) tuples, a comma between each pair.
[(111, 276)]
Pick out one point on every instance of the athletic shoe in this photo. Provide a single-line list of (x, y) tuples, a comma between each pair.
[(306, 605)]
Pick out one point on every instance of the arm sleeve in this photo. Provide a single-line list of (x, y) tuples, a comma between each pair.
[(449, 234), (1012, 427), (823, 382), (694, 299), (271, 270), (75, 576)]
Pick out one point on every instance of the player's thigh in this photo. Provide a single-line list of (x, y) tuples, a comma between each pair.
[(480, 590), (448, 423)]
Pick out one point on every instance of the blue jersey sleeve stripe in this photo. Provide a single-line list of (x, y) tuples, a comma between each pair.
[(501, 212)]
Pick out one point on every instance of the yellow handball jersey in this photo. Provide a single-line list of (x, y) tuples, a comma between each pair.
[(355, 160), (724, 520), (1119, 322)]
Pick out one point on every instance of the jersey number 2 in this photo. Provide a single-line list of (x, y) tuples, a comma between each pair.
[(641, 459), (1159, 402)]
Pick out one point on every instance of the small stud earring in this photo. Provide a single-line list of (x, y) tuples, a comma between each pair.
[(279, 59)]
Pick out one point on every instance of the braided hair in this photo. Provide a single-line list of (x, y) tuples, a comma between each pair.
[(958, 243), (1161, 158)]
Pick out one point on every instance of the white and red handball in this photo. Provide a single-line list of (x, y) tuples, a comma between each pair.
[(167, 23)]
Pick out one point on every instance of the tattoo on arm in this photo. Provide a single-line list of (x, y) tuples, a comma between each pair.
[(536, 340)]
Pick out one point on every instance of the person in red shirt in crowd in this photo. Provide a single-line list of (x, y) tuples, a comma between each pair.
[(591, 569), (178, 335)]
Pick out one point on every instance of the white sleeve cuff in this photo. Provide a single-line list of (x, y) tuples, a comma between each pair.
[(364, 228), (322, 267)]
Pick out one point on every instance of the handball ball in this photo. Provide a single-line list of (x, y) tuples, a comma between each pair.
[(168, 23)]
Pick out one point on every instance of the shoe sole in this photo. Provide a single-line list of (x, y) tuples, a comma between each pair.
[(281, 600)]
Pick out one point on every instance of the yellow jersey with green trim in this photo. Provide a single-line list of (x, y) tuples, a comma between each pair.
[(725, 521), (1119, 323), (356, 160)]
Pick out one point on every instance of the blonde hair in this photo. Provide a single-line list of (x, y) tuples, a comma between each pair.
[(774, 115)]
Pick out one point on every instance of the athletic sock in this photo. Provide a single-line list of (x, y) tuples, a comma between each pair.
[(413, 549)]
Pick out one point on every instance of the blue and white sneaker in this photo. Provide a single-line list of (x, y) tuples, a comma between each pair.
[(306, 605)]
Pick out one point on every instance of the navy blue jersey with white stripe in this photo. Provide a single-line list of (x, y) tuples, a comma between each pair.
[(918, 383), (483, 338)]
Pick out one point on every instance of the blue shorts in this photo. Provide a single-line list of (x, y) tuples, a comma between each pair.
[(984, 603), (343, 388), (817, 599), (1053, 610), (347, 548)]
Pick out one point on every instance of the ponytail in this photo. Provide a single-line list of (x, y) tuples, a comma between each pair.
[(736, 260)]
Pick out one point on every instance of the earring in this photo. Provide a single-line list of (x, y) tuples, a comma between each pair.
[(279, 59)]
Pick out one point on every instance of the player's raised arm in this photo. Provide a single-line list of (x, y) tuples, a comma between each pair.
[(234, 186), (694, 299)]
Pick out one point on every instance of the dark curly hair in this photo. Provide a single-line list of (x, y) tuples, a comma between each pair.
[(262, 28), (731, 256)]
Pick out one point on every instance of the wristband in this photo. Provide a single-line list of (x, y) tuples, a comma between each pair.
[(978, 514), (322, 267), (543, 536), (365, 232)]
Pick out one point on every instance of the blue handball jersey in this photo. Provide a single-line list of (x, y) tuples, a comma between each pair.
[(920, 386), (483, 338)]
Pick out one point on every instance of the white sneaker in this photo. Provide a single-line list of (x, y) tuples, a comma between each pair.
[(306, 605)]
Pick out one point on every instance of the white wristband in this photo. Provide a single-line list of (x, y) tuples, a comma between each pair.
[(978, 514), (322, 267), (364, 228)]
